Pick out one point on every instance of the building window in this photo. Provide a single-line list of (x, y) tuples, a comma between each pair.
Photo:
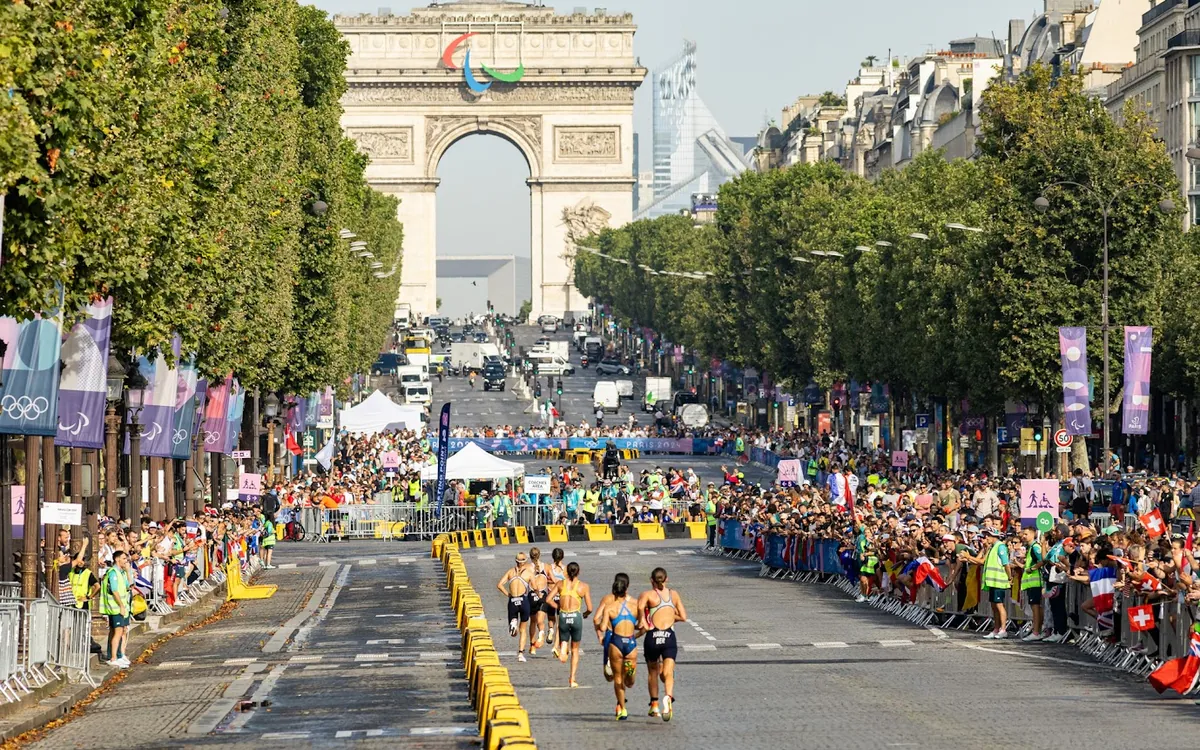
[(1194, 82), (1194, 204)]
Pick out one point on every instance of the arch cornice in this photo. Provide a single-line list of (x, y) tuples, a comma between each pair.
[(523, 131)]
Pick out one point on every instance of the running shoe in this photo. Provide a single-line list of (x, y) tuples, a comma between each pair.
[(541, 640), (512, 628), (1057, 638), (990, 636), (532, 651), (1032, 637), (521, 656), (574, 684), (622, 714), (653, 709), (115, 663), (667, 709), (860, 598), (608, 670), (1001, 635)]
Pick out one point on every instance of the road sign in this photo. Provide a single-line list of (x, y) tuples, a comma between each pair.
[(1044, 521), (1001, 434), (309, 440), (922, 421), (240, 454), (1062, 439), (1063, 449)]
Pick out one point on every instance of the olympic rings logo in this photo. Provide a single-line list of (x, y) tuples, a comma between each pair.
[(22, 408), (179, 436), (211, 438)]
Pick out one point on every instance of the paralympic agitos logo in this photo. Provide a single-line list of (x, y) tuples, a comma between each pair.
[(473, 83)]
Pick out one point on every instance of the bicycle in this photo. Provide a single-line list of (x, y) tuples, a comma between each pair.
[(293, 532)]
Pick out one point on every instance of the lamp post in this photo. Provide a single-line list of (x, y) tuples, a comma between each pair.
[(270, 417), (1166, 206), (113, 386), (135, 393)]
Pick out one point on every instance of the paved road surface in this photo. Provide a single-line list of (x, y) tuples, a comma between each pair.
[(769, 664)]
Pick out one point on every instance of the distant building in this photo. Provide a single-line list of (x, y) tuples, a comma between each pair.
[(692, 153)]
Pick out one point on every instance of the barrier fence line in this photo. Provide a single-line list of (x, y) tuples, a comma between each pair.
[(963, 604)]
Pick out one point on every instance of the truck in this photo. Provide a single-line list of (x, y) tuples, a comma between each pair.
[(420, 358), (658, 392), (561, 348), (402, 315), (411, 374), (593, 347), (470, 354)]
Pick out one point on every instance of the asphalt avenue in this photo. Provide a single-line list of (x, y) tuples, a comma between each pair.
[(772, 664)]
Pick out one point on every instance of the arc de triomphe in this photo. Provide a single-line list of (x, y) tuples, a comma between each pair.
[(559, 87)]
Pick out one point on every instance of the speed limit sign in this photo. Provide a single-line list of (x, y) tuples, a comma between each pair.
[(1062, 439)]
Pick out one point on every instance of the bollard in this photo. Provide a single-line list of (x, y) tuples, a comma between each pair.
[(489, 714)]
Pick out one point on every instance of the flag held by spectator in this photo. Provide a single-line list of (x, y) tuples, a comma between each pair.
[(1141, 618), (1103, 581), (1179, 674), (1153, 521), (1149, 583), (926, 571)]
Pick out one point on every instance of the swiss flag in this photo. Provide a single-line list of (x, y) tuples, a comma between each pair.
[(292, 445), (1141, 618), (1153, 521)]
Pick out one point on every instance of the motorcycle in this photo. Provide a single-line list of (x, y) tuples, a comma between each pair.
[(585, 361)]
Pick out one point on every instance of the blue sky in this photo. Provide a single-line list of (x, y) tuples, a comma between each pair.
[(753, 57)]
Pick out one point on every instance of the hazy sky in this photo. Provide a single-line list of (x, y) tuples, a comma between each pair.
[(753, 57)]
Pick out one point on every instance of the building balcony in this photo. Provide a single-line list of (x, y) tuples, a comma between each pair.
[(1189, 38), (1157, 11)]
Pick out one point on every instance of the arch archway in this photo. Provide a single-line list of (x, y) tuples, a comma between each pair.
[(570, 114)]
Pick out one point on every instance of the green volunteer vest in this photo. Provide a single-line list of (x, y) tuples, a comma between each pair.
[(740, 445), (868, 566), (79, 586), (1031, 578), (710, 513), (114, 591), (591, 501), (994, 574), (268, 539)]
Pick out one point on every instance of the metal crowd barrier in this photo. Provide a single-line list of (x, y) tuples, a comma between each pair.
[(1137, 652)]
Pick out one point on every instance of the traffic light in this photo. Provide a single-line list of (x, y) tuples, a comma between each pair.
[(560, 386), (1037, 434), (837, 403)]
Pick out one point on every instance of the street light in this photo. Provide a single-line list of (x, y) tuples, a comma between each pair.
[(114, 385), (963, 227), (346, 234), (918, 236), (1166, 205), (135, 396), (882, 243), (865, 249)]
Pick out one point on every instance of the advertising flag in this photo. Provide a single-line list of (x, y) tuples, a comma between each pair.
[(29, 393), (83, 385), (233, 427), (1135, 409), (311, 407), (443, 455), (157, 419), (216, 416), (325, 410), (297, 413), (1072, 347), (185, 410)]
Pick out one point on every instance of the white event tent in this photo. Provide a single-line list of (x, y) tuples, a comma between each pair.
[(473, 462), (378, 413)]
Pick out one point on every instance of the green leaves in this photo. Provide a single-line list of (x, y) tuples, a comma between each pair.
[(155, 151)]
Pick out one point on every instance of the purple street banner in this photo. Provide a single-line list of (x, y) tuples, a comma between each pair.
[(443, 456), (311, 406), (185, 410), (1135, 409), (17, 494), (156, 421), (199, 402), (237, 405), (216, 416), (325, 410), (297, 414), (29, 390), (82, 386), (1072, 348)]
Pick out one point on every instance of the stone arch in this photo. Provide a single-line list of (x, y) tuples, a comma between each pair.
[(524, 132)]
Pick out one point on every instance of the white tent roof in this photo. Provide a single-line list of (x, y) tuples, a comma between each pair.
[(378, 413), (473, 462)]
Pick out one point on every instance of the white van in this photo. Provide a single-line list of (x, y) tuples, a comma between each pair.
[(412, 375), (549, 363), (417, 393), (605, 396)]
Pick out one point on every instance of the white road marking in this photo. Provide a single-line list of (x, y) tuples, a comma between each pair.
[(441, 730), (685, 551), (368, 561), (361, 588), (326, 563), (302, 659), (405, 560), (286, 566), (435, 655), (762, 646), (348, 733), (581, 687), (396, 586), (608, 553), (485, 557), (901, 642), (831, 644), (570, 553), (389, 615), (241, 660), (321, 667), (699, 647), (646, 552), (286, 735), (174, 664), (709, 637), (370, 657), (386, 642), (938, 632), (1054, 659)]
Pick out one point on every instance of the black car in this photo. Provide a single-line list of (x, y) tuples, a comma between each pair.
[(494, 376), (387, 363), (458, 338), (480, 337)]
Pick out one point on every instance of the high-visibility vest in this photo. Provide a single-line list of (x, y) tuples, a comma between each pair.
[(592, 501), (710, 513), (868, 566), (79, 585), (1031, 578), (740, 445), (114, 591), (994, 574)]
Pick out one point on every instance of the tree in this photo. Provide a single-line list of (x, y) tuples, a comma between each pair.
[(830, 99)]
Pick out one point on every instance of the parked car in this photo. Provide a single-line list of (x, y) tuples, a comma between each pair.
[(612, 367)]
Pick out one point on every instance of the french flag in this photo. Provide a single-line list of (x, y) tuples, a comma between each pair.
[(1103, 582), (927, 571)]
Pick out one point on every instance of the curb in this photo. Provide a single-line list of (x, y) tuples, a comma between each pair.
[(56, 699), (502, 720)]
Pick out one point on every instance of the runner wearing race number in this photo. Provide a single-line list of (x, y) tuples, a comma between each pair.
[(661, 608), (539, 589), (515, 585), (550, 606), (619, 642), (573, 594)]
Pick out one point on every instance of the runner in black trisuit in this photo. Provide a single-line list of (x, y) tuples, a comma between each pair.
[(515, 585)]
